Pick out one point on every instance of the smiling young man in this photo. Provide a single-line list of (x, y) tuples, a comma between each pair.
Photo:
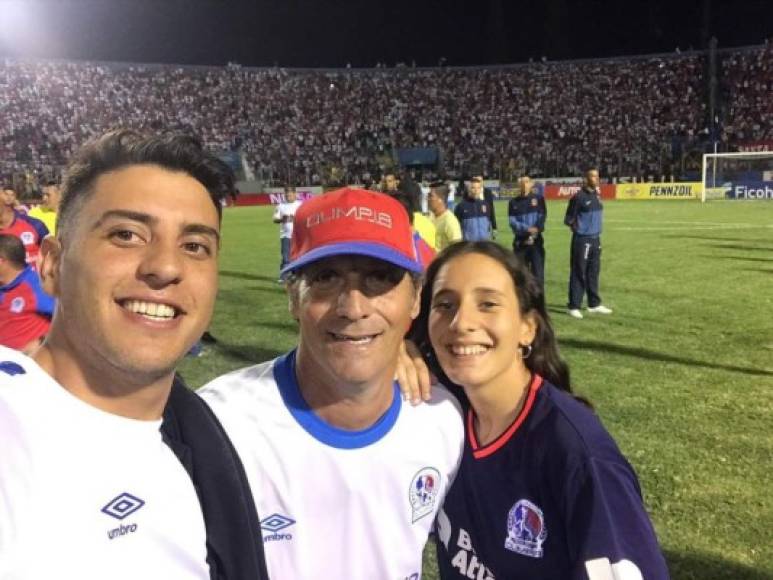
[(90, 485), (349, 478)]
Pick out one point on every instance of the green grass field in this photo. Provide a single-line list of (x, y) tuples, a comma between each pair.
[(681, 373)]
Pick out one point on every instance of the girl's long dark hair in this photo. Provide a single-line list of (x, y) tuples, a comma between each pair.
[(545, 359)]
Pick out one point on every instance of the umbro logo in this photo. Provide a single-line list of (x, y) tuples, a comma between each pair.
[(122, 506), (11, 368), (273, 524)]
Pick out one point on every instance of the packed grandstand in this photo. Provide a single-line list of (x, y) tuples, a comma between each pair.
[(644, 116)]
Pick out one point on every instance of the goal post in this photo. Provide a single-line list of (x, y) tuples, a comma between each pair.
[(745, 175)]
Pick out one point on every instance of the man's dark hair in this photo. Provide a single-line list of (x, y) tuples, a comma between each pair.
[(122, 148), (440, 188), (12, 250)]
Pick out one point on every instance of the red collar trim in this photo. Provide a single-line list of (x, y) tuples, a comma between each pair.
[(479, 452)]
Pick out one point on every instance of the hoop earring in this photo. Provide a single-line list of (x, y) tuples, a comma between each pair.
[(525, 350)]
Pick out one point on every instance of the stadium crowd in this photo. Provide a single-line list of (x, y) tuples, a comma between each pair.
[(328, 126), (748, 82), (538, 117)]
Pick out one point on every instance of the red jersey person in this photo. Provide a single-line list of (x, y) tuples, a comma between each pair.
[(25, 310), (29, 230)]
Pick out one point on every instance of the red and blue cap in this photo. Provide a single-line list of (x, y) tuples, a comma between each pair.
[(352, 221)]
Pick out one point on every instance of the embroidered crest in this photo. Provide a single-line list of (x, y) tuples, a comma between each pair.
[(533, 202), (27, 238), (17, 305), (423, 492), (526, 531)]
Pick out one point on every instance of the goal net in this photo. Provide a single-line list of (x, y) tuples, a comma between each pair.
[(738, 175)]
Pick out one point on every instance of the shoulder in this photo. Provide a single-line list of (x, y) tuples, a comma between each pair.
[(37, 224), (18, 392), (242, 385), (573, 429)]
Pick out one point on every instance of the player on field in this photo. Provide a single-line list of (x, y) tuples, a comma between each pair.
[(46, 211), (584, 215), (25, 310), (447, 228), (543, 492), (92, 483), (347, 477), (283, 215), (474, 213), (29, 230), (527, 213)]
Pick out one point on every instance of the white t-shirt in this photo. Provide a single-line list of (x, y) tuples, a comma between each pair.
[(335, 503), (286, 209), (86, 494)]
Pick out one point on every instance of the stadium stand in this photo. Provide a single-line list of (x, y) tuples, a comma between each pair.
[(630, 116)]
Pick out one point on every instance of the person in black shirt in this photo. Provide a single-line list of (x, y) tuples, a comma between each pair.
[(542, 492)]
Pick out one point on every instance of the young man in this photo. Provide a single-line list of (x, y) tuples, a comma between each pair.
[(447, 228), (584, 215), (283, 215), (28, 229), (25, 310), (527, 213), (349, 477), (134, 271), (46, 211), (474, 214)]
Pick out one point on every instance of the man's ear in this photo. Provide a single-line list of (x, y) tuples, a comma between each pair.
[(293, 299), (416, 308), (49, 261)]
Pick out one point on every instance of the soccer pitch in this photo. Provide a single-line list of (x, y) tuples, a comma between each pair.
[(681, 374)]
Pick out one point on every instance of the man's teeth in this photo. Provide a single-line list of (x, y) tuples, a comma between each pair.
[(150, 309), (468, 350), (355, 340)]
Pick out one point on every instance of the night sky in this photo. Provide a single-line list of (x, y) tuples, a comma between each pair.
[(318, 33)]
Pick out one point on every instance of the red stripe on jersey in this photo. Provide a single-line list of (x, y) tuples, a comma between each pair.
[(479, 452)]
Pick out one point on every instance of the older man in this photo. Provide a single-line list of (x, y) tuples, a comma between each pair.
[(348, 478)]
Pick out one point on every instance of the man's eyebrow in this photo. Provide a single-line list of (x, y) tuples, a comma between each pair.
[(149, 220), (202, 229), (135, 216)]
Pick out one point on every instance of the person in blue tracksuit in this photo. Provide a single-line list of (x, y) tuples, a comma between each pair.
[(584, 215), (527, 213), (474, 214)]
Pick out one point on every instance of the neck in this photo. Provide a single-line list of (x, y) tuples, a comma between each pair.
[(6, 216), (107, 388), (498, 403), (352, 406), (8, 275)]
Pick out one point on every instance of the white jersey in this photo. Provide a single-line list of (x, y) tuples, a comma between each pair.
[(286, 209), (336, 503), (87, 494)]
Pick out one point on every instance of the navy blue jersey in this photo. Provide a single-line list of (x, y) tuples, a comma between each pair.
[(584, 213), (551, 499), (524, 212), (474, 216)]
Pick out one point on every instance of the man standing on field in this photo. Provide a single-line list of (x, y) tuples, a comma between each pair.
[(584, 215)]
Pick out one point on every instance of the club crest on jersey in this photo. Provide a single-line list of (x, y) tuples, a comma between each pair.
[(526, 531), (27, 238), (17, 305), (534, 202), (423, 492)]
